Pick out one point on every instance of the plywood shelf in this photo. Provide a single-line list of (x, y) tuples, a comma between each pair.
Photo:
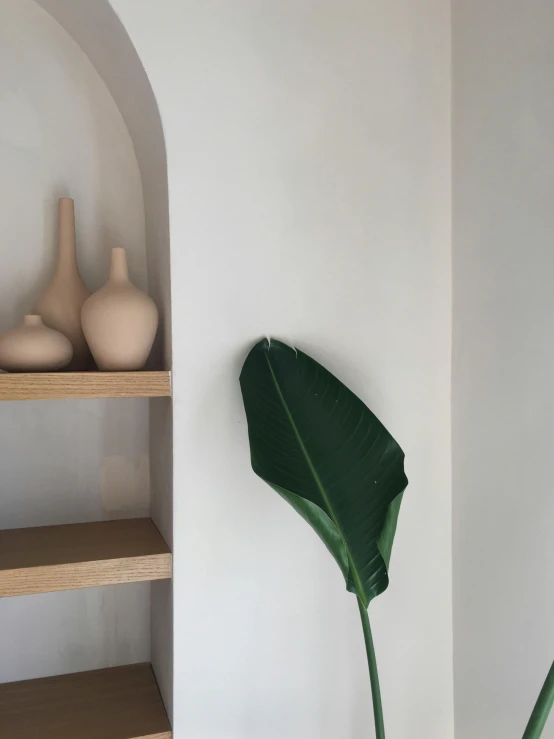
[(50, 558), (59, 385), (117, 703)]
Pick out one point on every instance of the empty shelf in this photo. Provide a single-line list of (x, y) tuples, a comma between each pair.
[(118, 703), (49, 558)]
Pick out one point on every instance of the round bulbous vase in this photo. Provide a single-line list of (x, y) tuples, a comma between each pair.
[(119, 321), (61, 302), (33, 347)]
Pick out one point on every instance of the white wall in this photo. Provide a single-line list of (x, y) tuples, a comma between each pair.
[(503, 369), (309, 183), (62, 134)]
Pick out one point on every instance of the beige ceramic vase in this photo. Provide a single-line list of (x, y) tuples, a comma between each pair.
[(33, 347), (119, 321), (60, 304)]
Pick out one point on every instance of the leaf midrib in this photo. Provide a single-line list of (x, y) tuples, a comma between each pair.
[(318, 482)]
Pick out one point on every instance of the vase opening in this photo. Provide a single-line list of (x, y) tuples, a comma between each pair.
[(67, 257), (118, 265)]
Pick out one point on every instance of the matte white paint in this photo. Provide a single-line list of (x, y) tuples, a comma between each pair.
[(309, 182), (503, 368), (66, 461), (72, 631)]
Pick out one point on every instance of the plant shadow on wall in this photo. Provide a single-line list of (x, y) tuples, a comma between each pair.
[(321, 448)]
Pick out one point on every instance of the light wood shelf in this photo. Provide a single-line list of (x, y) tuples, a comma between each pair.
[(117, 703), (52, 385), (50, 558)]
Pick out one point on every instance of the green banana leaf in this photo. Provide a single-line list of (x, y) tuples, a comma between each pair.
[(317, 444)]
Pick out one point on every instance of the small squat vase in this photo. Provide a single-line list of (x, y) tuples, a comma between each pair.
[(119, 321), (60, 304), (33, 347)]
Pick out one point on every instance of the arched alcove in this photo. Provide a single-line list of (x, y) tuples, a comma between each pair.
[(79, 119), (95, 27)]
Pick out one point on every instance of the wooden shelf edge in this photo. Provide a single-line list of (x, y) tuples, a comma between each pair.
[(72, 385), (80, 575), (74, 556), (119, 702)]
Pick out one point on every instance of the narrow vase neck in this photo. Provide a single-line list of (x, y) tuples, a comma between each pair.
[(32, 320), (118, 266), (67, 258)]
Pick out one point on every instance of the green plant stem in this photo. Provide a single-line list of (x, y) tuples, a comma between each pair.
[(373, 674), (542, 708)]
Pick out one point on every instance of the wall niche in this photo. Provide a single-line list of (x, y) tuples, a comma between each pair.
[(78, 119)]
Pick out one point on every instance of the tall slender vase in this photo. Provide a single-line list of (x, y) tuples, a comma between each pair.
[(120, 321), (61, 303)]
